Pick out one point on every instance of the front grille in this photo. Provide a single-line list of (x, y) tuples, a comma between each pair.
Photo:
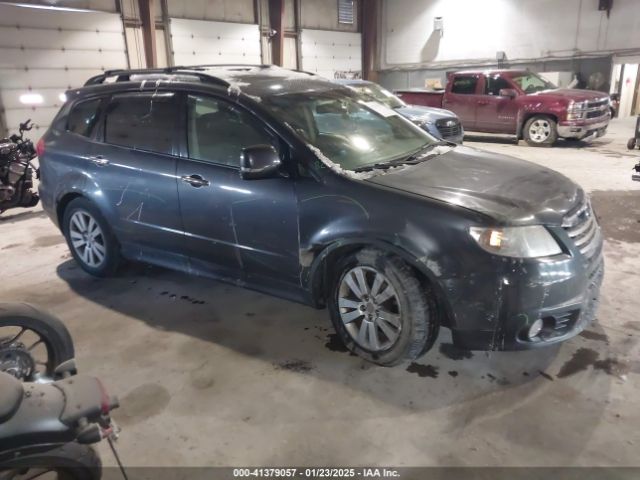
[(602, 102), (597, 108), (449, 127), (582, 227)]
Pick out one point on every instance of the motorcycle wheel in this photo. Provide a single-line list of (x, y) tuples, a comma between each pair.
[(34, 345), (68, 462)]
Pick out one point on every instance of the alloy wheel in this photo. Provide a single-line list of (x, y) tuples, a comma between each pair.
[(369, 308), (87, 238), (539, 130)]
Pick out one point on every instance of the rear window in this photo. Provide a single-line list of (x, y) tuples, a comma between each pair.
[(464, 85), (83, 117), (144, 122)]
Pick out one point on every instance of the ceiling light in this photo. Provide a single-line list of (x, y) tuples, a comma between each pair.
[(31, 98)]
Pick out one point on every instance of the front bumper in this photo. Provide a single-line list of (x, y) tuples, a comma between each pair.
[(493, 306), (562, 320), (580, 130)]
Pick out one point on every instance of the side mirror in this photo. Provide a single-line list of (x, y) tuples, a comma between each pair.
[(508, 92), (259, 161)]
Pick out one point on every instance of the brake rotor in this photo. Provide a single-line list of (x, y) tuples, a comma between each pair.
[(16, 360)]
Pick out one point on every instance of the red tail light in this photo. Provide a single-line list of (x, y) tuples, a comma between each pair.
[(40, 147)]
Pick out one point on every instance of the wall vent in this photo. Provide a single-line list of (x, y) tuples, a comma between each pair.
[(345, 12)]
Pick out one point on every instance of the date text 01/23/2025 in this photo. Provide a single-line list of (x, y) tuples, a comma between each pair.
[(316, 473)]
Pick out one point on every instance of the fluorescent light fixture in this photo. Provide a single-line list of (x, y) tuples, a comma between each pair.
[(48, 7), (31, 98), (62, 97)]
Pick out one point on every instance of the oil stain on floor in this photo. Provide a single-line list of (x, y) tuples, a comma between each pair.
[(143, 402)]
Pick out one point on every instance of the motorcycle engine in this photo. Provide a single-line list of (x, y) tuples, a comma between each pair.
[(11, 168), (8, 156)]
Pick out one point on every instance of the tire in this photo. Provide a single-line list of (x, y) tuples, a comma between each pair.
[(631, 144), (540, 131), (51, 330), (71, 461), (103, 262), (412, 308)]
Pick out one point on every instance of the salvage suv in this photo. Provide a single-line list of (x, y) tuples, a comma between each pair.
[(226, 172)]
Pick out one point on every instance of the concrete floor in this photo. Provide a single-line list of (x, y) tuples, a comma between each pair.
[(210, 374)]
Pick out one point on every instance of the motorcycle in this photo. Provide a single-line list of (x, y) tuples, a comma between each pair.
[(17, 171), (49, 415)]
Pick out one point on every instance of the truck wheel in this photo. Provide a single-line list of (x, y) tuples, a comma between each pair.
[(631, 144), (540, 131), (380, 310)]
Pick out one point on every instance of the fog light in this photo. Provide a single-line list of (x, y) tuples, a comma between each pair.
[(535, 328)]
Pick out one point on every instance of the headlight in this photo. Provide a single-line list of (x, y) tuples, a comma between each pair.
[(521, 242), (576, 110)]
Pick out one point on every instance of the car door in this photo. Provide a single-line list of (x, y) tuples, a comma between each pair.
[(462, 98), (234, 227), (135, 162), (496, 113)]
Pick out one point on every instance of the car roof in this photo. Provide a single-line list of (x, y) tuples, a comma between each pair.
[(252, 80)]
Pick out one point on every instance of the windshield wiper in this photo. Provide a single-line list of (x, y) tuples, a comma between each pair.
[(413, 159)]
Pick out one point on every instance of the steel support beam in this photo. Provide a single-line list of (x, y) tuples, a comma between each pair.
[(369, 15), (276, 23), (147, 19)]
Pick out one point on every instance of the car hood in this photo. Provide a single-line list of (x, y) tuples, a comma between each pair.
[(574, 94), (416, 112), (510, 190)]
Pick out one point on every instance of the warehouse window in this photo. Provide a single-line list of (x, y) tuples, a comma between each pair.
[(345, 12), (465, 85)]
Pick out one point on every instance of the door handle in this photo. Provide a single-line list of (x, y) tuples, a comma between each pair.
[(99, 160), (195, 181), (483, 102)]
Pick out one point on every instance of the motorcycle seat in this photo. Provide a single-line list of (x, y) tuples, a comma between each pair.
[(11, 393)]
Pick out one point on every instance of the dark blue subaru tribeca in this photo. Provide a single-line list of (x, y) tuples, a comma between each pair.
[(287, 183)]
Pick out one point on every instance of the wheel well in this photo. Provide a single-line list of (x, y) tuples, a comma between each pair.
[(321, 287), (62, 206)]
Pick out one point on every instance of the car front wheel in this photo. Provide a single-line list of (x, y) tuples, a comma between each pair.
[(540, 131), (380, 309), (90, 239)]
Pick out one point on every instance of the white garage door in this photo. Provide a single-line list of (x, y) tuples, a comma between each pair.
[(199, 42), (43, 53), (332, 54)]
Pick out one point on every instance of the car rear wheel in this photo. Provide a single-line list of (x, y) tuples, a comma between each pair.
[(540, 131), (380, 309), (90, 239)]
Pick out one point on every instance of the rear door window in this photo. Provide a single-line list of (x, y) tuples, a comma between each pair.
[(464, 84), (144, 122), (83, 117)]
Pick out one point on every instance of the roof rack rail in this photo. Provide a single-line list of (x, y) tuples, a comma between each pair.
[(124, 75)]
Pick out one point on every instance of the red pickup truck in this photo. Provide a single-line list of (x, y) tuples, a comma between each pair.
[(518, 102)]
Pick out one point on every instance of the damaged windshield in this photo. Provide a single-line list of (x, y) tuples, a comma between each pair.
[(350, 131)]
